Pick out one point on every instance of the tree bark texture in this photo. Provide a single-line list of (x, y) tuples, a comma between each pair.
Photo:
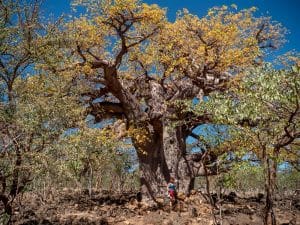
[(270, 185), (162, 157)]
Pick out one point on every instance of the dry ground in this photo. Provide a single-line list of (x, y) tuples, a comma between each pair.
[(71, 207)]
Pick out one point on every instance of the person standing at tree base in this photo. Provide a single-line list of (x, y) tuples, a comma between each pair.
[(172, 192)]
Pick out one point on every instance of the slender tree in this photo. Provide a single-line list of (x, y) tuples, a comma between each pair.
[(18, 26)]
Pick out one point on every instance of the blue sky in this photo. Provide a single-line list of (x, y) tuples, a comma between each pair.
[(284, 11)]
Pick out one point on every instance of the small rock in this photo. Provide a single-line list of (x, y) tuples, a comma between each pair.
[(181, 196), (167, 222), (185, 214), (211, 222), (193, 192), (160, 200), (133, 201)]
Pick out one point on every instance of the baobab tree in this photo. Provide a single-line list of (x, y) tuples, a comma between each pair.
[(136, 67)]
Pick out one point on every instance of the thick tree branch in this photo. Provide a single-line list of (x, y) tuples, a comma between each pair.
[(289, 136)]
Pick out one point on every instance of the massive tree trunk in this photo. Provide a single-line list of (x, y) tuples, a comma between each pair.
[(176, 158), (161, 157)]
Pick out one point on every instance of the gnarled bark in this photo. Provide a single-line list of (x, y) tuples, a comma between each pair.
[(163, 156)]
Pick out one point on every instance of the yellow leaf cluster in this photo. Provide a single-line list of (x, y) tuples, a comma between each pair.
[(87, 33), (224, 40), (140, 135)]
